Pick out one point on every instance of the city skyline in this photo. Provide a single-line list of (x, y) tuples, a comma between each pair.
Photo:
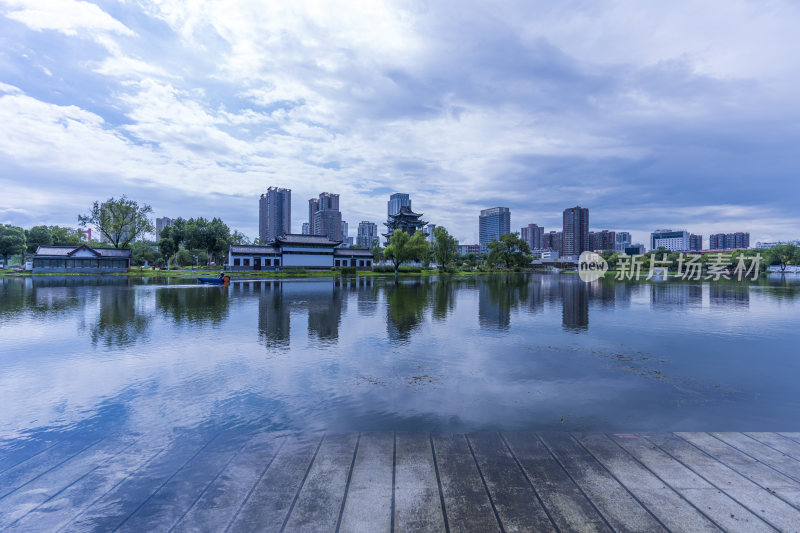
[(541, 107)]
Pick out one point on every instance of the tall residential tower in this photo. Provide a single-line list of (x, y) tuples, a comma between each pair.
[(274, 214), (493, 223)]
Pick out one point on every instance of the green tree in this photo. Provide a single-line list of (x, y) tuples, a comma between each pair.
[(444, 247), (119, 221), (404, 248), (168, 248), (184, 257), (64, 236), (510, 250), (38, 236), (12, 242), (144, 251), (377, 251), (783, 255), (238, 237), (212, 236)]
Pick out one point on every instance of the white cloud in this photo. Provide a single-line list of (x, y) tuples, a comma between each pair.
[(70, 17)]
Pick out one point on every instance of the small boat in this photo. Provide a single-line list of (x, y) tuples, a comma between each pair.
[(215, 281)]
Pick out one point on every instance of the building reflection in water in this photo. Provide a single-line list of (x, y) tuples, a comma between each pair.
[(574, 303), (322, 301), (676, 294), (498, 295), (731, 295)]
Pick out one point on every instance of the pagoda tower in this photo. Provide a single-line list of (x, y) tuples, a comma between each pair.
[(406, 220)]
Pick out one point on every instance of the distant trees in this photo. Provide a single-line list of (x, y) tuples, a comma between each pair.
[(510, 250), (783, 255), (377, 251), (404, 248), (119, 221), (443, 249), (38, 236), (12, 241)]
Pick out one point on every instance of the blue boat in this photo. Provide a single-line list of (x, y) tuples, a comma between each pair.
[(222, 280)]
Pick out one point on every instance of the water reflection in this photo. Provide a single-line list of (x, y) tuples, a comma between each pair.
[(118, 322), (405, 306), (464, 353)]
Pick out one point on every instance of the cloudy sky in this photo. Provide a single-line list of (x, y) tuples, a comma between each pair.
[(652, 114)]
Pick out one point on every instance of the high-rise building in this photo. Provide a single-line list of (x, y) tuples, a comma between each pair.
[(464, 249), (274, 214), (162, 223), (674, 241), (532, 234), (324, 217), (552, 241), (575, 237), (396, 201), (345, 230), (602, 240), (313, 207), (729, 241), (429, 231), (695, 242), (367, 232), (306, 229), (622, 240), (493, 223)]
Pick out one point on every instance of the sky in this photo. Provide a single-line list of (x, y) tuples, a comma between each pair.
[(653, 115)]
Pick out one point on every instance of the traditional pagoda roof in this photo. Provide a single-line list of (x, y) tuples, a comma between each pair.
[(313, 240), (405, 220), (69, 251)]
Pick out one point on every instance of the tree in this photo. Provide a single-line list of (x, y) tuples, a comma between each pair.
[(444, 247), (38, 236), (212, 236), (404, 247), (12, 241), (64, 236), (168, 248), (377, 251), (510, 250), (783, 255), (119, 221), (238, 237), (144, 251)]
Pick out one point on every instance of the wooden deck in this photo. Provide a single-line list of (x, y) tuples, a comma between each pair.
[(373, 482)]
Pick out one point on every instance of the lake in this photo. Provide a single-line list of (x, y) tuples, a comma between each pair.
[(96, 355)]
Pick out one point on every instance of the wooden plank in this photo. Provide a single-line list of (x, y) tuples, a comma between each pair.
[(669, 506), (267, 505), (465, 498), (368, 507), (60, 509), (18, 476), (217, 506), (321, 496), (39, 489), (566, 504), (715, 504), (517, 503), (764, 504), (786, 464), (13, 454), (111, 510), (168, 504), (759, 473), (778, 442), (417, 500), (619, 507)]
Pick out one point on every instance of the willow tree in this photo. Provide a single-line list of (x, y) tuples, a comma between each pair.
[(404, 248), (119, 221)]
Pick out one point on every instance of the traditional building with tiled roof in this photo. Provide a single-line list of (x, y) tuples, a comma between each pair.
[(297, 251), (81, 259)]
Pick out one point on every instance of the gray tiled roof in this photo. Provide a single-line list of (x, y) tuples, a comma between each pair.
[(253, 249), (64, 251), (295, 238)]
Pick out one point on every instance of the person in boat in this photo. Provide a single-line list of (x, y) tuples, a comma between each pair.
[(222, 275)]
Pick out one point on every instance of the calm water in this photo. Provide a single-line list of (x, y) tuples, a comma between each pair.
[(85, 355)]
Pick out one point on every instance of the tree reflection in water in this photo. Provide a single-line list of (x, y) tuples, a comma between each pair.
[(193, 305), (405, 304)]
